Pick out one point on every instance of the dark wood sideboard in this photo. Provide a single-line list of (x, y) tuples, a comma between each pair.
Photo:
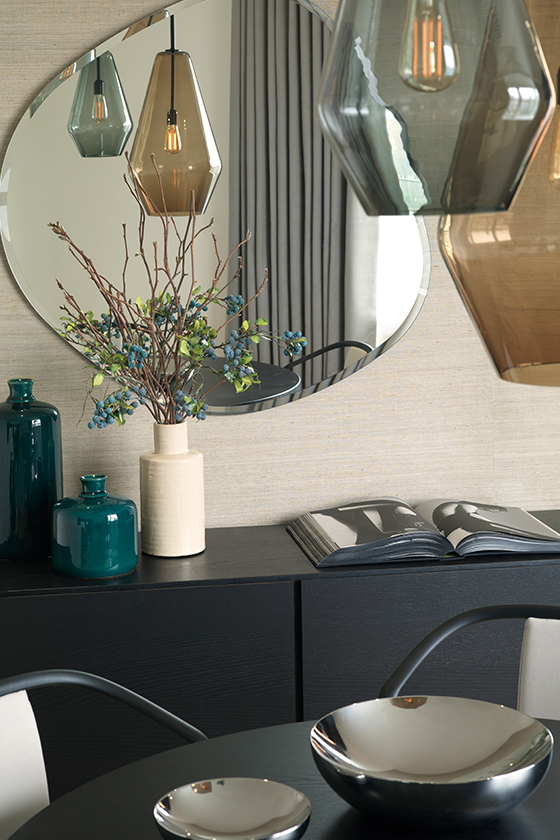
[(250, 634)]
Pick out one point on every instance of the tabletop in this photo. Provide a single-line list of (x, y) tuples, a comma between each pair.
[(120, 804)]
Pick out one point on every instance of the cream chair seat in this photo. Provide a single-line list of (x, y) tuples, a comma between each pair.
[(539, 670), (23, 780)]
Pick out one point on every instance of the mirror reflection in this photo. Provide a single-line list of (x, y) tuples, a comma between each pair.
[(352, 284)]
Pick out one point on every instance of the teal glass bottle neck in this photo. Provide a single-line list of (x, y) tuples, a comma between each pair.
[(93, 486), (20, 391)]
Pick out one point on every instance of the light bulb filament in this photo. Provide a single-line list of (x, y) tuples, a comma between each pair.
[(172, 137), (99, 112), (428, 58)]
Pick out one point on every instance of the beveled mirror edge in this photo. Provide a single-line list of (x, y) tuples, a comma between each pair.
[(90, 55)]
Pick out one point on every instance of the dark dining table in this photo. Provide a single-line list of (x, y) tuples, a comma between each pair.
[(119, 805)]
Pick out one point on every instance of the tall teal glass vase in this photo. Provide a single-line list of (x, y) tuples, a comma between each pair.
[(94, 535), (30, 472)]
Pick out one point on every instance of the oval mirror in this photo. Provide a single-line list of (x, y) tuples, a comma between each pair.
[(352, 284)]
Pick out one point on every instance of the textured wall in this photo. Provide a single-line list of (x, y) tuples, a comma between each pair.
[(430, 418)]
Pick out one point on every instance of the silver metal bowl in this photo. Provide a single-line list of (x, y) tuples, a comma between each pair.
[(436, 760), (240, 808)]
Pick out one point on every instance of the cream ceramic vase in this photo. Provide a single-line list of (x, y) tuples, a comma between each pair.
[(172, 495)]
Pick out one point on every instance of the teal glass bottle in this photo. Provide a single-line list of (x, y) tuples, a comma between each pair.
[(94, 535), (30, 472)]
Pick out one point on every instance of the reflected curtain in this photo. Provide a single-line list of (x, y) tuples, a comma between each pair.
[(284, 185)]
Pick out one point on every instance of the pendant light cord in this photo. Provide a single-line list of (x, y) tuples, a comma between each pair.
[(98, 85), (172, 51)]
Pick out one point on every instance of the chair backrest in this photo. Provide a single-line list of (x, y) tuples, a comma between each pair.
[(539, 672), (23, 780), (539, 669)]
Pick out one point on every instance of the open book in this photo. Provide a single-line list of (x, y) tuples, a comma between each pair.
[(388, 529)]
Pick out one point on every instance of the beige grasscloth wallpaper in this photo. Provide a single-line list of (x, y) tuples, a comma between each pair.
[(429, 418)]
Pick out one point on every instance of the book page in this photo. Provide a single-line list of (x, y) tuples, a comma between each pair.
[(459, 519), (368, 522)]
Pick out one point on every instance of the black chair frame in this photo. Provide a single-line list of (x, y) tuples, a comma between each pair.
[(37, 679), (401, 674)]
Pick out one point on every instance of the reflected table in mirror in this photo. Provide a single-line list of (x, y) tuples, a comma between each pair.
[(274, 383), (120, 804)]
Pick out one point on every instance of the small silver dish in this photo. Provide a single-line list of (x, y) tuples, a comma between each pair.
[(432, 760), (223, 809)]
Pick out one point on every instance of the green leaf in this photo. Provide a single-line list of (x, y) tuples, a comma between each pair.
[(261, 322), (256, 338), (245, 325), (98, 379)]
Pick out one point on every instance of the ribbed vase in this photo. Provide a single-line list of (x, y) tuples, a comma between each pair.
[(172, 495)]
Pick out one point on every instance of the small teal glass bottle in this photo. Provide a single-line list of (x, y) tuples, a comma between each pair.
[(94, 535), (30, 472)]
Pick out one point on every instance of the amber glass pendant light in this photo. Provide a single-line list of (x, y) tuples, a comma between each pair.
[(434, 106), (174, 128), (507, 265), (554, 157), (100, 122)]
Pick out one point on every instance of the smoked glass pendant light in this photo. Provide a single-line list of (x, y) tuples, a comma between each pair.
[(100, 122), (434, 106), (174, 128)]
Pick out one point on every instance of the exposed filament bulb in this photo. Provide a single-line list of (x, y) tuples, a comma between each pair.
[(99, 111), (428, 58), (172, 137)]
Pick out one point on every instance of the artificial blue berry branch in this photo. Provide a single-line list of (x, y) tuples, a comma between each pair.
[(155, 350)]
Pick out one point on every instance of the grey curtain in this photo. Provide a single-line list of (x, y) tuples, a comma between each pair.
[(284, 185)]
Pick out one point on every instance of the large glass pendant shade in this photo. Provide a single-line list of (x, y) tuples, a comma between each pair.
[(99, 121), (175, 129), (507, 266), (434, 106)]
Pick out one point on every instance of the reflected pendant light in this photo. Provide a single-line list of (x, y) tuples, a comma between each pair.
[(100, 122), (174, 128), (434, 106)]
